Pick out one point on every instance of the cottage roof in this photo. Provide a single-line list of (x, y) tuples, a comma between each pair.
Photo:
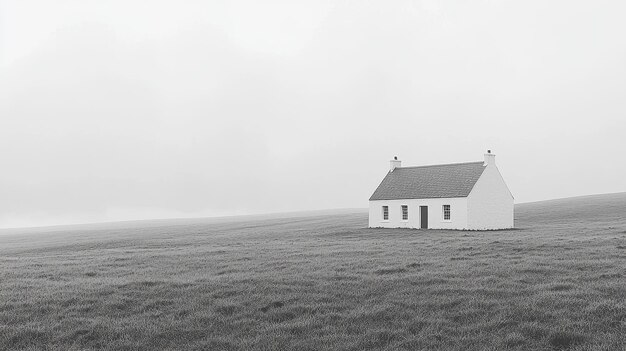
[(426, 182)]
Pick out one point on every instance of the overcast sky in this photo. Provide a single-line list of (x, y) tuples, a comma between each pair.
[(117, 110)]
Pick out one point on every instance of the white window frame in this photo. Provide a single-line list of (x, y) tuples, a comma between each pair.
[(402, 213), (383, 213), (443, 213)]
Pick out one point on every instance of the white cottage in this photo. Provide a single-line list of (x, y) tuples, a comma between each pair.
[(469, 195)]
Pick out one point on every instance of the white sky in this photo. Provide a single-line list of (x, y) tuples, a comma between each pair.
[(123, 110)]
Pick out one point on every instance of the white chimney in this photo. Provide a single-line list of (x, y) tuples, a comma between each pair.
[(394, 163), (490, 159)]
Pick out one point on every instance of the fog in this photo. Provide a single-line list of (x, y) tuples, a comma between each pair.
[(124, 110)]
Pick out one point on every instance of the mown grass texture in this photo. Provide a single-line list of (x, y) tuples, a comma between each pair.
[(558, 282)]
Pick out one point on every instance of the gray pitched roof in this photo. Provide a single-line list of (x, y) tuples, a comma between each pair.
[(426, 182)]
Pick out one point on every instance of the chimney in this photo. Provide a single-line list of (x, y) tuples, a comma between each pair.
[(490, 159), (394, 163)]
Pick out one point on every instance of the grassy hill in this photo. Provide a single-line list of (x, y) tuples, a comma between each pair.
[(558, 282)]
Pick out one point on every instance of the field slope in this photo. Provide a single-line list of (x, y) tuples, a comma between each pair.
[(558, 282)]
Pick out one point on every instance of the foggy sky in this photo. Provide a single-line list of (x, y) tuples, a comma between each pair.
[(123, 110)]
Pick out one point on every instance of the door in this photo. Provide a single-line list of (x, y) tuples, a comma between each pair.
[(424, 217)]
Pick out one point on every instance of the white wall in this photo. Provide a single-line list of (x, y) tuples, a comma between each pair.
[(458, 208), (490, 203)]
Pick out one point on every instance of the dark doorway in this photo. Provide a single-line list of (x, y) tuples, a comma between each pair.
[(424, 217)]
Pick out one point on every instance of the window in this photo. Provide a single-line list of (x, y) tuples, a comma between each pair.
[(446, 213), (405, 212), (385, 213)]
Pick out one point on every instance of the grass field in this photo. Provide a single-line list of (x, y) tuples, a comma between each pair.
[(558, 282)]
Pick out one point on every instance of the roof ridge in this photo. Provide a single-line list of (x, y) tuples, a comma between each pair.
[(444, 164)]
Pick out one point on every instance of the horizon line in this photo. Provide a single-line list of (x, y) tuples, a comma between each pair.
[(264, 214)]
